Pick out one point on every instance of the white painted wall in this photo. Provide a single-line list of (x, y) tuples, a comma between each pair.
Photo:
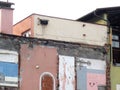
[(70, 31), (8, 56), (94, 64), (66, 73)]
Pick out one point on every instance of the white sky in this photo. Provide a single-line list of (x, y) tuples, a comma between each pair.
[(70, 9)]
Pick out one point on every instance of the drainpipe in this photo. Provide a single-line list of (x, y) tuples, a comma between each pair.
[(110, 47)]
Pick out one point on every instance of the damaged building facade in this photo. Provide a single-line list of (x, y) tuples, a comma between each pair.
[(52, 65), (76, 56), (49, 53), (111, 18)]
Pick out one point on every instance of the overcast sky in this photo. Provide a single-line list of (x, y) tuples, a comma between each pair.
[(70, 9)]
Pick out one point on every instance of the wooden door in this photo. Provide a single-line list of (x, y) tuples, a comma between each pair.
[(47, 82)]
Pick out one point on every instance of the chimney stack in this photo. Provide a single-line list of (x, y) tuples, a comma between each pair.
[(6, 17)]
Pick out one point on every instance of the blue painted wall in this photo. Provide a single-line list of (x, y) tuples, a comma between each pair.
[(81, 78), (9, 69)]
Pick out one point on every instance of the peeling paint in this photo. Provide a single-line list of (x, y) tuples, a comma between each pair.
[(66, 73), (44, 54)]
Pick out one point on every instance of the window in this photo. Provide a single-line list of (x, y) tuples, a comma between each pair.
[(115, 42), (26, 33), (116, 47)]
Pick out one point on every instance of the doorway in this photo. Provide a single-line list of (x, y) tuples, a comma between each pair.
[(47, 81)]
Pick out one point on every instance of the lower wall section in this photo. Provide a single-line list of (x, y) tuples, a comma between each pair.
[(115, 77), (91, 74), (39, 69)]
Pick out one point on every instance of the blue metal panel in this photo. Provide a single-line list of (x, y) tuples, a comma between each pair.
[(9, 69), (81, 78)]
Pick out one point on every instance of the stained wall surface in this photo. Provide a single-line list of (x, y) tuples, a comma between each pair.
[(39, 58), (69, 30), (36, 62), (66, 73)]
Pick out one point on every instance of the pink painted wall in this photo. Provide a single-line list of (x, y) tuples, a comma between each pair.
[(95, 80), (44, 57), (6, 21)]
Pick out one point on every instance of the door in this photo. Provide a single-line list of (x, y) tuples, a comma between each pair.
[(47, 82)]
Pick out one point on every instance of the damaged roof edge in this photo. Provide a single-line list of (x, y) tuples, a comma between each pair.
[(33, 39)]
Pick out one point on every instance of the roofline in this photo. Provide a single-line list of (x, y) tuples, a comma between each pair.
[(44, 16), (54, 17), (99, 11), (22, 20)]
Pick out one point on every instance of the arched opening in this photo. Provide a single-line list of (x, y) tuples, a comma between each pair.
[(47, 81)]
